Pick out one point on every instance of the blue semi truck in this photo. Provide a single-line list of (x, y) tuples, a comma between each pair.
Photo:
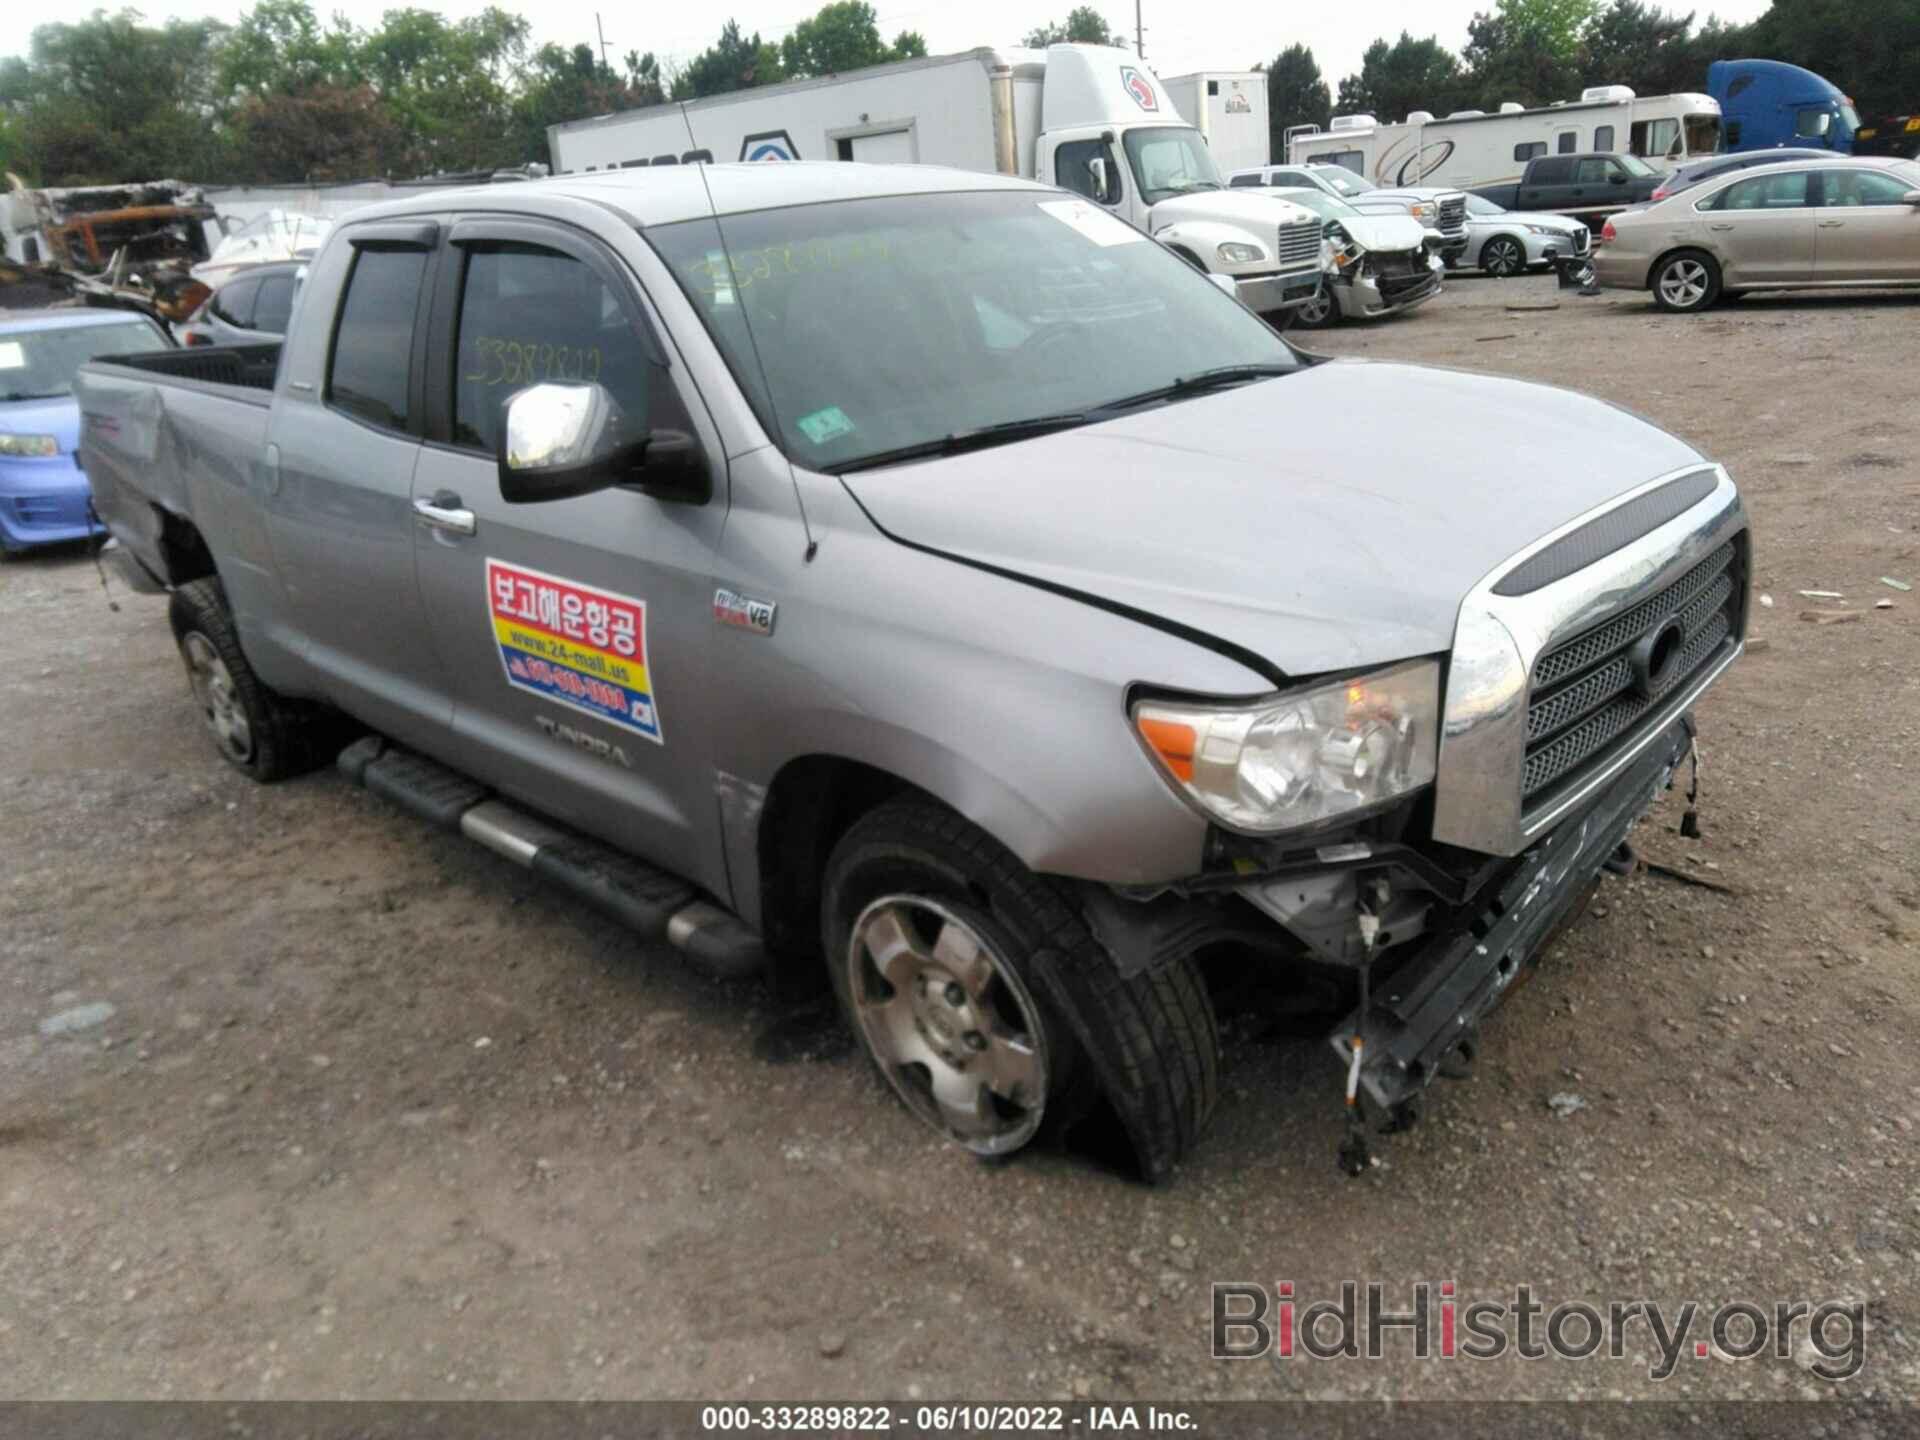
[(1767, 103)]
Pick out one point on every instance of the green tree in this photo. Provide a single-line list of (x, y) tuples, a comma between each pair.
[(1554, 25), (1503, 66), (323, 133), (734, 62), (1869, 48), (561, 84), (1396, 79), (280, 48), (448, 86), (1084, 25), (843, 35), (1297, 94), (1630, 43)]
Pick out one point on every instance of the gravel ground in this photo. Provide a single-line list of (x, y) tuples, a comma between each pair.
[(338, 1106)]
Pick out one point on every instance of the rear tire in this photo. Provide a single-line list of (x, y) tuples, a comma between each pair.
[(978, 991), (261, 734), (1685, 282)]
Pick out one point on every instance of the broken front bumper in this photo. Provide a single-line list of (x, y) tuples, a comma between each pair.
[(1425, 1009), (1369, 296)]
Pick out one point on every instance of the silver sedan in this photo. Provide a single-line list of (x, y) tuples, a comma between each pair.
[(1506, 242), (1794, 226)]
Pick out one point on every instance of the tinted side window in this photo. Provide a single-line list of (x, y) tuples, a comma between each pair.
[(1550, 172), (1070, 166), (1239, 181), (1766, 192), (275, 305), (373, 345), (1527, 149), (1860, 187), (1590, 171), (234, 303), (1603, 137), (529, 315)]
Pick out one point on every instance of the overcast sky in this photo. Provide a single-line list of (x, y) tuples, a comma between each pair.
[(1220, 35)]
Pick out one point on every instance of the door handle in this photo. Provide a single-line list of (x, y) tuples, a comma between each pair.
[(443, 512), (1831, 224), (1719, 227)]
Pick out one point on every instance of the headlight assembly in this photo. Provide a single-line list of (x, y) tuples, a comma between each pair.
[(1234, 253), (1294, 759), (34, 445)]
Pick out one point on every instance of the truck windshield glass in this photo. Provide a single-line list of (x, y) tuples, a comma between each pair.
[(1170, 160), (888, 323), (1703, 134), (39, 364), (1480, 205), (1346, 182), (1327, 207), (1638, 168)]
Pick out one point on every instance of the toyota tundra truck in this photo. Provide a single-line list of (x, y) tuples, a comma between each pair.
[(924, 576)]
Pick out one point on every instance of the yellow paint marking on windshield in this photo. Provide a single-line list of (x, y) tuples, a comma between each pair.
[(715, 274), (495, 360)]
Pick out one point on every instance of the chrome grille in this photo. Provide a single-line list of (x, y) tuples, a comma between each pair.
[(1585, 694), (1299, 243), (1453, 214)]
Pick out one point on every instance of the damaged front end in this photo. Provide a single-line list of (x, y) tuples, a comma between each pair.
[(1371, 283), (130, 247)]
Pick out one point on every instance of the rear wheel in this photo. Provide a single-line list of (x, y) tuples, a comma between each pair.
[(1686, 282), (1503, 256), (980, 995), (259, 733)]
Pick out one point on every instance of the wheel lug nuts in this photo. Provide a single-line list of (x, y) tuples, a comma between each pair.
[(956, 996), (976, 1041)]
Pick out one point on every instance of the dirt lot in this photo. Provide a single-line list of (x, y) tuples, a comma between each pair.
[(372, 1115)]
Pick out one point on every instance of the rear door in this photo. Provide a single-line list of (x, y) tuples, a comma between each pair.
[(1547, 185), (576, 631), (338, 478), (1761, 229), (1864, 231)]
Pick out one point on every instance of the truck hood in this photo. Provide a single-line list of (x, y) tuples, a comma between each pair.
[(1248, 518), (1412, 192), (1238, 207), (58, 417), (1384, 234)]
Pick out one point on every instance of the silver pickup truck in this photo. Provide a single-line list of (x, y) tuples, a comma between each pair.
[(925, 574)]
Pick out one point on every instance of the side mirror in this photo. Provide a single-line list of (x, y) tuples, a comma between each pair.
[(1617, 177), (1102, 180), (560, 441), (1912, 197)]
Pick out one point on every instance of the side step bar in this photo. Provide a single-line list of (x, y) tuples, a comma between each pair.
[(648, 901)]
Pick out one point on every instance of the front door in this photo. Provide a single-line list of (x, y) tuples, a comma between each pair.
[(1864, 230), (339, 479), (1762, 229), (576, 631)]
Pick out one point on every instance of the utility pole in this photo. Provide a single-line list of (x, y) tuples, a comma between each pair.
[(603, 36), (1139, 33)]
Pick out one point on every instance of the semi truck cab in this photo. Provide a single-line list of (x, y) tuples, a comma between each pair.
[(1768, 103)]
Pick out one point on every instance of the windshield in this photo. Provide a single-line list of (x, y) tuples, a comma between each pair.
[(1170, 160), (887, 323), (1635, 167), (1703, 134), (1346, 182), (1849, 117), (1327, 207), (1480, 205), (39, 364)]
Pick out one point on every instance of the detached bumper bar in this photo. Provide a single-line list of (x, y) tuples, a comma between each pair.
[(1437, 999)]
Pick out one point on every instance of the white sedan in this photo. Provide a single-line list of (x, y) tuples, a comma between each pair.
[(1506, 242)]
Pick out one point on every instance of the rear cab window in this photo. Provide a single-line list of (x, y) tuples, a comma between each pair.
[(233, 303), (274, 306), (369, 373)]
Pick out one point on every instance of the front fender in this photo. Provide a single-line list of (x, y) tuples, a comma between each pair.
[(1203, 238)]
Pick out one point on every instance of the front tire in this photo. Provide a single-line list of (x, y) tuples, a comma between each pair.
[(1686, 282), (1321, 312), (1503, 257), (259, 733), (979, 993)]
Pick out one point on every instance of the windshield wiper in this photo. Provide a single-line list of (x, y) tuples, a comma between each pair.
[(9, 396), (1217, 378), (961, 441)]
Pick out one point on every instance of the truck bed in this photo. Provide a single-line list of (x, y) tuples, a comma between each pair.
[(162, 433)]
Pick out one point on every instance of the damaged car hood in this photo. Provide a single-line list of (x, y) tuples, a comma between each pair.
[(1245, 517), (1386, 234)]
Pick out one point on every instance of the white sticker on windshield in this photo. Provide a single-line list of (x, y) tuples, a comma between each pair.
[(1091, 221), (13, 355)]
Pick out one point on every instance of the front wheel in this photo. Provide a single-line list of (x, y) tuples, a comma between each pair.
[(1686, 283), (978, 992), (1319, 312), (1503, 256)]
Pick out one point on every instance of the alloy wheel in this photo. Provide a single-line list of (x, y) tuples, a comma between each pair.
[(1683, 284), (219, 701)]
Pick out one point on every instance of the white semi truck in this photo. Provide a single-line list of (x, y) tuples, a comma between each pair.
[(1090, 118)]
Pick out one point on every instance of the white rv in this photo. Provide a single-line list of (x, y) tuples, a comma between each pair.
[(1089, 118), (1472, 148), (1229, 107)]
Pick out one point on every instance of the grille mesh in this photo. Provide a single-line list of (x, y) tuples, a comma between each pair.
[(1453, 214), (1585, 698), (1299, 242)]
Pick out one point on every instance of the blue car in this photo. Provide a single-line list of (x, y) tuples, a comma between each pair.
[(43, 494)]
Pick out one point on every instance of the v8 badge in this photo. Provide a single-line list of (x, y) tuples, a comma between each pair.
[(743, 612)]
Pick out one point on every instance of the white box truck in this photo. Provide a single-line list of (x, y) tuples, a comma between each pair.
[(1090, 118), (1229, 107)]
